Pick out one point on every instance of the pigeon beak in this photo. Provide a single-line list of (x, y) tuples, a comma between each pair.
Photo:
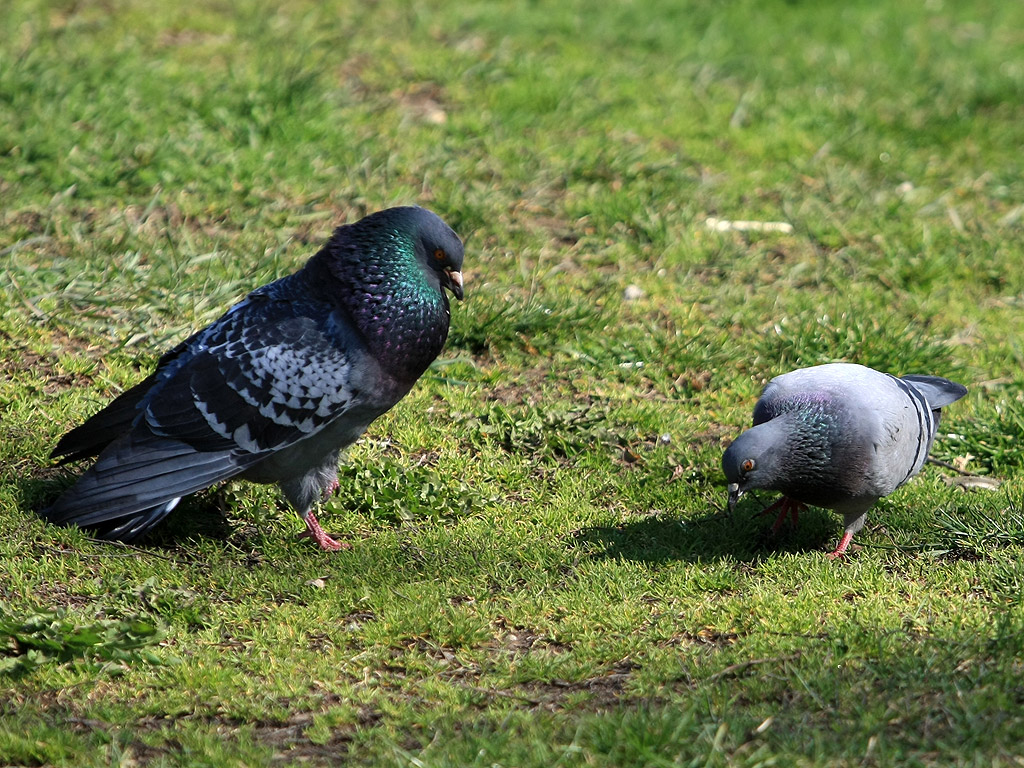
[(453, 281), (734, 495)]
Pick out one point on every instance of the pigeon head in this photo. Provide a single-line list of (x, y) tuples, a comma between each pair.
[(794, 453), (389, 272), (752, 461), (406, 252), (438, 248)]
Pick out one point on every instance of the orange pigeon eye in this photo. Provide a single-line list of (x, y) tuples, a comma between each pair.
[(439, 254), (747, 465)]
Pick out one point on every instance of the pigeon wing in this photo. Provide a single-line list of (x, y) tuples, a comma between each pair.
[(262, 379), (269, 374), (116, 419)]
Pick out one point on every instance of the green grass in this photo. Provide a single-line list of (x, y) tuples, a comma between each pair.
[(542, 574)]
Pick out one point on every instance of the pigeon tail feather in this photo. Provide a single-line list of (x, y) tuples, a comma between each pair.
[(130, 528), (136, 482), (102, 428), (939, 392)]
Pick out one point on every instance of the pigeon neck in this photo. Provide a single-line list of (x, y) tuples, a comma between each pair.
[(401, 317), (818, 465), (810, 439)]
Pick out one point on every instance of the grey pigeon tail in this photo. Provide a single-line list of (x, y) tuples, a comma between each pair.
[(278, 386), (838, 436)]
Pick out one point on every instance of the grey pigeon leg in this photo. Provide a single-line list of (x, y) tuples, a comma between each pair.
[(843, 544), (330, 489)]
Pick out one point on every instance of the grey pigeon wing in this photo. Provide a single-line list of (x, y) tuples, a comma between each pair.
[(939, 392), (766, 409), (909, 425), (792, 390), (116, 419), (102, 428), (776, 398), (769, 404)]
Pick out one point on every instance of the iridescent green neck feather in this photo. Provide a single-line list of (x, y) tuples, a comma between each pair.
[(389, 290)]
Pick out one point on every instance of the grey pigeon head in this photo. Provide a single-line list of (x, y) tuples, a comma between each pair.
[(757, 459), (279, 385), (838, 436)]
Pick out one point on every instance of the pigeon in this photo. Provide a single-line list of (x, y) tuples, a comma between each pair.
[(838, 436), (278, 386)]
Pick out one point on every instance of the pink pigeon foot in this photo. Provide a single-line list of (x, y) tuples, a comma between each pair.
[(330, 490), (786, 506), (843, 544), (315, 532)]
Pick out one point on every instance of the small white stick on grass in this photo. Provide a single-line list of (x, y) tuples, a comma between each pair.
[(726, 225)]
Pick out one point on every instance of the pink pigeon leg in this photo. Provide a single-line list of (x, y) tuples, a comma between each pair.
[(786, 506), (330, 489), (315, 532), (843, 544)]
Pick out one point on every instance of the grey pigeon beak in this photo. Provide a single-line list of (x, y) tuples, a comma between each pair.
[(453, 281), (734, 495)]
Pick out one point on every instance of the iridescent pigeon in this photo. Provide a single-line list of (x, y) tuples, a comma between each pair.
[(277, 387), (838, 436)]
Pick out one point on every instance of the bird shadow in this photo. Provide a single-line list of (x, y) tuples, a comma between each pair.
[(742, 536), (197, 516)]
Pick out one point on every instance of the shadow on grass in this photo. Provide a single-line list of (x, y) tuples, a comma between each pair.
[(743, 536), (199, 515), (919, 700)]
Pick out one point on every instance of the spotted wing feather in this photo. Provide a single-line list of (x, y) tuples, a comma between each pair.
[(269, 374)]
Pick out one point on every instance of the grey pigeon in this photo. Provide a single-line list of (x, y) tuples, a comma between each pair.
[(838, 436), (277, 387)]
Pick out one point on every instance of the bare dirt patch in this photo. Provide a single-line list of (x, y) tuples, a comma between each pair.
[(42, 368), (603, 691)]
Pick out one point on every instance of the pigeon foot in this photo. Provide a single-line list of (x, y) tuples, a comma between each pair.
[(315, 532), (331, 489), (786, 507), (841, 549)]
